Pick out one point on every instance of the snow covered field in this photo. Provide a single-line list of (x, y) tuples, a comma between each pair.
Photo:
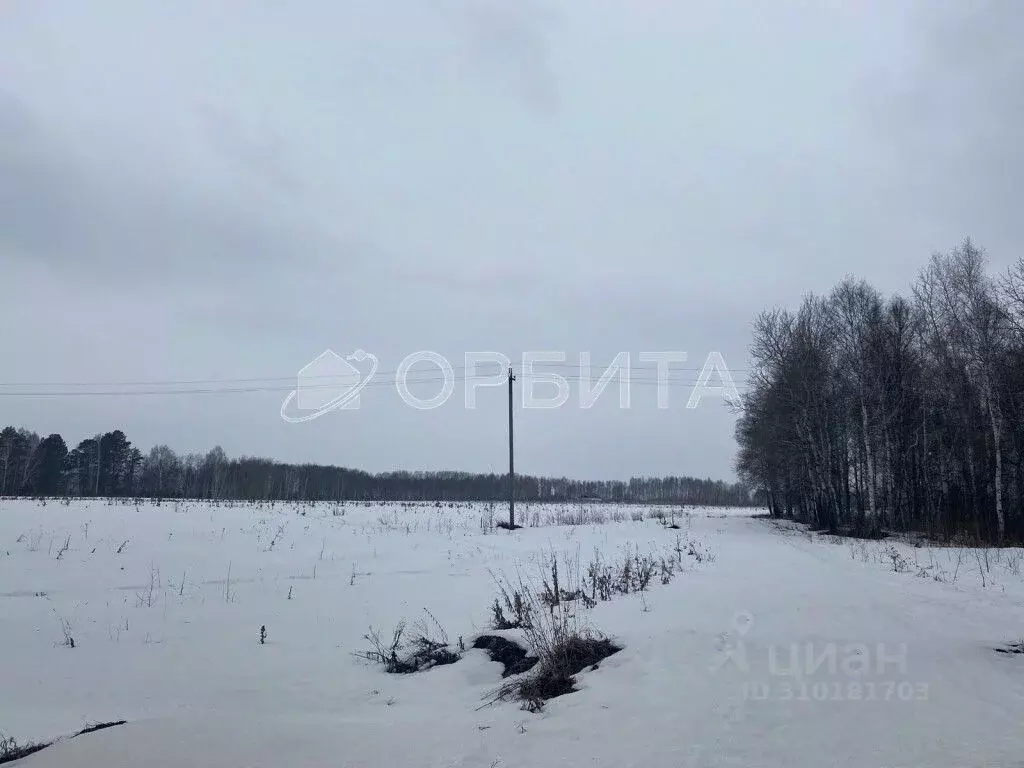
[(784, 649)]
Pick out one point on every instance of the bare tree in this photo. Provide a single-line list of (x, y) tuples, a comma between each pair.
[(862, 411)]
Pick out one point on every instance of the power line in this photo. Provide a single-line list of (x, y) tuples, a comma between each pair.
[(293, 377), (669, 382)]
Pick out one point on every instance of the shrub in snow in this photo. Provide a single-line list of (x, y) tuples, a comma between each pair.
[(406, 653), (509, 611), (900, 564), (65, 628), (554, 631), (555, 675), (561, 649)]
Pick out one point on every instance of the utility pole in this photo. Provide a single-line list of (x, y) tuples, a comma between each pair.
[(511, 460), (99, 463)]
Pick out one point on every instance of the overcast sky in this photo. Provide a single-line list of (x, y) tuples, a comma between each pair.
[(199, 190)]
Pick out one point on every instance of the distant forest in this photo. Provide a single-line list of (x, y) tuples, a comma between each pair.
[(109, 465), (866, 413)]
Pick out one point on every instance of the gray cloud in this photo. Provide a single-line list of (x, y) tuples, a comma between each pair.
[(37, 202), (511, 43), (257, 152), (952, 117), (120, 219), (182, 197)]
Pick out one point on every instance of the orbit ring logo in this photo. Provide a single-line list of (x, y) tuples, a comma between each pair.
[(329, 383)]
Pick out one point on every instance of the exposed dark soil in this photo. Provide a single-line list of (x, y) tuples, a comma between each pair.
[(870, 534), (11, 750), (1014, 648), (99, 727), (506, 652)]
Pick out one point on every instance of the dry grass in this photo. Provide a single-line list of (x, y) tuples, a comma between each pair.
[(412, 652)]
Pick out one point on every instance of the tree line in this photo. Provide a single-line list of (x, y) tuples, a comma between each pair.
[(109, 465), (905, 413)]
